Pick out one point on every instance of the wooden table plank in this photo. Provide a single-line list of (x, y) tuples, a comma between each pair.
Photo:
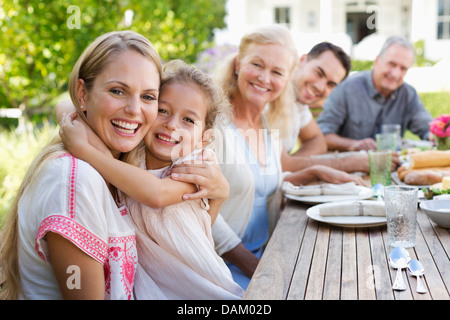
[(273, 275), (434, 258), (444, 237), (422, 254), (366, 270), (349, 274), (332, 287), (297, 290), (317, 270), (383, 281)]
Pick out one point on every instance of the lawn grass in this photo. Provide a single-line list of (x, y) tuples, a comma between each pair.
[(16, 153), (436, 103)]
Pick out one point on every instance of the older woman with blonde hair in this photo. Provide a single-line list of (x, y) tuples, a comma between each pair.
[(257, 82)]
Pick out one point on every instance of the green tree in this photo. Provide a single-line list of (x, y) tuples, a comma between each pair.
[(40, 41)]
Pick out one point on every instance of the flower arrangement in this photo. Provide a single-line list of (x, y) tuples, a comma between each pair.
[(440, 126)]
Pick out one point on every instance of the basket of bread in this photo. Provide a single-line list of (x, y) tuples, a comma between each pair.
[(430, 169)]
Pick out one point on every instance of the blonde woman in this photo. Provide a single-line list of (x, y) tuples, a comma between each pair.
[(65, 221), (249, 149)]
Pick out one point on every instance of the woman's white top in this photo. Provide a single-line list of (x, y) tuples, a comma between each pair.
[(70, 198), (235, 213)]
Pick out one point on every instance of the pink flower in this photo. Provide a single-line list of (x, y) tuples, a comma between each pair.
[(441, 126), (445, 118)]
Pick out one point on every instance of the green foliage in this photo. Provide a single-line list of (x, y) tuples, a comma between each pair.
[(39, 46), (360, 65), (421, 61), (437, 102), (16, 153)]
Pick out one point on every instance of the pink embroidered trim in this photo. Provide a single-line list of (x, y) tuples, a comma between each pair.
[(123, 211), (79, 235), (125, 255), (71, 191), (64, 155)]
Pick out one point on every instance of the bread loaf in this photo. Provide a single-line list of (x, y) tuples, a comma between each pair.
[(430, 159), (424, 176)]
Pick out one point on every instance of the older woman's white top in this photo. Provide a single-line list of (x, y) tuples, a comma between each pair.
[(235, 213)]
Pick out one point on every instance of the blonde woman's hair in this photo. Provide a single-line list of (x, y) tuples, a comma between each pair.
[(90, 64), (279, 112)]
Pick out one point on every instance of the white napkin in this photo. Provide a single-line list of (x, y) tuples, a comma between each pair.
[(356, 208), (322, 189)]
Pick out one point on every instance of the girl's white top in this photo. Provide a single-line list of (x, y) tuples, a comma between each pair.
[(176, 251)]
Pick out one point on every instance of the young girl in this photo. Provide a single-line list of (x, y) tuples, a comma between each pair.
[(174, 243)]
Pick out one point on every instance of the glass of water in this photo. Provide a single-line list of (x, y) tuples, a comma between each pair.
[(395, 129), (401, 214), (380, 167)]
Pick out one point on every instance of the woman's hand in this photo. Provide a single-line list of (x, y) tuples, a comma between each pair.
[(207, 175), (337, 176)]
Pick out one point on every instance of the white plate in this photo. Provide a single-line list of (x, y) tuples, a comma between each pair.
[(348, 222), (364, 193)]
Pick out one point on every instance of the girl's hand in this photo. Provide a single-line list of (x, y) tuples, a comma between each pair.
[(73, 134), (77, 136), (207, 175)]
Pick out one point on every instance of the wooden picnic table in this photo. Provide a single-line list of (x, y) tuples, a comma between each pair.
[(310, 260)]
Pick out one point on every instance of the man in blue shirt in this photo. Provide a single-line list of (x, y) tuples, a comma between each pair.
[(356, 110)]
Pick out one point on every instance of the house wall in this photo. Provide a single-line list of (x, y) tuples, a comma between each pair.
[(326, 20), (426, 29)]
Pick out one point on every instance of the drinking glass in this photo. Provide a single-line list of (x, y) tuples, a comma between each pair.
[(396, 129), (386, 141), (380, 167), (401, 214)]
